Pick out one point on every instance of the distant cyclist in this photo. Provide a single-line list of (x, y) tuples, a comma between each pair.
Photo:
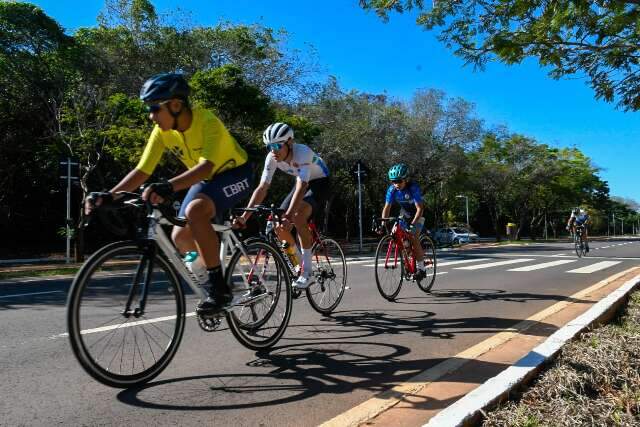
[(218, 175), (408, 195), (579, 217), (307, 196)]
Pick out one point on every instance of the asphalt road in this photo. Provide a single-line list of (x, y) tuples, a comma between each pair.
[(321, 368)]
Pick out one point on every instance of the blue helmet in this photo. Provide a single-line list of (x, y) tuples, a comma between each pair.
[(399, 171), (165, 86)]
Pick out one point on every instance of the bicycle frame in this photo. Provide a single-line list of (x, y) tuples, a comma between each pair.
[(272, 236), (399, 236), (228, 243)]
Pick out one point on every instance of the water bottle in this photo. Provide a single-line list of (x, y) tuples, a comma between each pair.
[(291, 253), (196, 266)]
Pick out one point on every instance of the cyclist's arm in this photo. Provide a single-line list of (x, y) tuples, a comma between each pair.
[(386, 210), (131, 182), (257, 197), (199, 172), (419, 212)]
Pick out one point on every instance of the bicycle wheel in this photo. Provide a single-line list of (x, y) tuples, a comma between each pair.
[(430, 262), (389, 268), (330, 272), (578, 245), (261, 316), (119, 347)]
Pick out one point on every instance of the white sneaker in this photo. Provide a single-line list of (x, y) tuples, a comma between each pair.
[(303, 282)]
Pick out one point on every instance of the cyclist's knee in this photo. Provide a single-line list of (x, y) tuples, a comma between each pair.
[(199, 209)]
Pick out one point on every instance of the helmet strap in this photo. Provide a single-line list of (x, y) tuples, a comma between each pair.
[(175, 115)]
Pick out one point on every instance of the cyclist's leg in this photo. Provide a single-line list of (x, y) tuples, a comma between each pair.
[(202, 203), (284, 233), (418, 252)]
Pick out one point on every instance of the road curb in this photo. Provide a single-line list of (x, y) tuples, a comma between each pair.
[(469, 409)]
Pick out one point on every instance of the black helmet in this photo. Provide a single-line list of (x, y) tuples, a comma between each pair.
[(165, 86)]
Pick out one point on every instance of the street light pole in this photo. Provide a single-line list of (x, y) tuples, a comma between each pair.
[(466, 200)]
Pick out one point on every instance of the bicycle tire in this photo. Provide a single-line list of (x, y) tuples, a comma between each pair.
[(80, 334), (578, 246), (385, 244), (325, 269), (252, 334), (430, 256)]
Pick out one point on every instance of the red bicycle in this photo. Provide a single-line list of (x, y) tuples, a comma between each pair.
[(329, 264), (395, 261)]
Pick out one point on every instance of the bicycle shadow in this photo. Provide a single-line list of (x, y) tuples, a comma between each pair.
[(294, 373), (366, 323), (466, 296), (301, 368)]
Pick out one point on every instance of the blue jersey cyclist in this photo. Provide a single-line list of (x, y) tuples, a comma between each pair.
[(579, 217), (407, 194), (218, 174)]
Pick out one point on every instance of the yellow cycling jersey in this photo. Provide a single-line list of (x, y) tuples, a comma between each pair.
[(206, 139)]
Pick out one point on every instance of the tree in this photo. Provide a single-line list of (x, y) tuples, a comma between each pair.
[(598, 39)]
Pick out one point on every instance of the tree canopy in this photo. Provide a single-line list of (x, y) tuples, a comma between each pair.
[(596, 39)]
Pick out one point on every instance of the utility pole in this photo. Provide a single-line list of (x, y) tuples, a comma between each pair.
[(360, 170), (68, 163), (466, 199)]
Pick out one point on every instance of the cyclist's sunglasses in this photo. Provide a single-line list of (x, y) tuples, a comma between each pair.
[(154, 108), (274, 146), (397, 181)]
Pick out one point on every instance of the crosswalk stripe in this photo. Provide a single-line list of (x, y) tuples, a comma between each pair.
[(543, 265), (442, 264), (494, 264), (462, 261), (595, 267)]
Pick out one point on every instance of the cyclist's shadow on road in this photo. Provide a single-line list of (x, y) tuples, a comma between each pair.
[(290, 374), (315, 361)]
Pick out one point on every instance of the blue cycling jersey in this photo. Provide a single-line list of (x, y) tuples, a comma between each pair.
[(581, 219), (406, 198)]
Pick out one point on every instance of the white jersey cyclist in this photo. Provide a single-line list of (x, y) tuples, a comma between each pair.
[(304, 164)]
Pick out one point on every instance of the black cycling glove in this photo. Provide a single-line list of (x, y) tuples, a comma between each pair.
[(104, 195), (162, 189)]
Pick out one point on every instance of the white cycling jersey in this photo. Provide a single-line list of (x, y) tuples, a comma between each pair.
[(304, 164)]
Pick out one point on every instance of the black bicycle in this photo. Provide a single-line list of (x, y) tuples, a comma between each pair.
[(578, 241), (329, 264), (126, 308)]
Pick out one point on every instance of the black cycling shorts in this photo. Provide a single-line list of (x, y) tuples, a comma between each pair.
[(316, 195)]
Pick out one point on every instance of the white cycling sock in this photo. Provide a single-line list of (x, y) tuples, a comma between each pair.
[(306, 262)]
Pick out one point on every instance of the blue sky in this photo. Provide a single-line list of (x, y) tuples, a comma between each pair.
[(399, 57)]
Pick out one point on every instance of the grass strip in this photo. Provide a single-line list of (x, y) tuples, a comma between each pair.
[(595, 381)]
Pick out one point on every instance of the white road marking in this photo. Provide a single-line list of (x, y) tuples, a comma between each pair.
[(595, 267), (123, 325), (32, 293), (442, 264), (543, 265), (463, 261), (494, 264)]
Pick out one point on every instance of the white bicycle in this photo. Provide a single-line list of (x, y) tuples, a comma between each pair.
[(126, 308)]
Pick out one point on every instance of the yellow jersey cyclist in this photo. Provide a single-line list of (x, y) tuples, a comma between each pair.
[(579, 216), (218, 175), (407, 194), (307, 196)]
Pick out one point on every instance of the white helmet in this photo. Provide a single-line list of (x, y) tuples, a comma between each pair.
[(277, 132)]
